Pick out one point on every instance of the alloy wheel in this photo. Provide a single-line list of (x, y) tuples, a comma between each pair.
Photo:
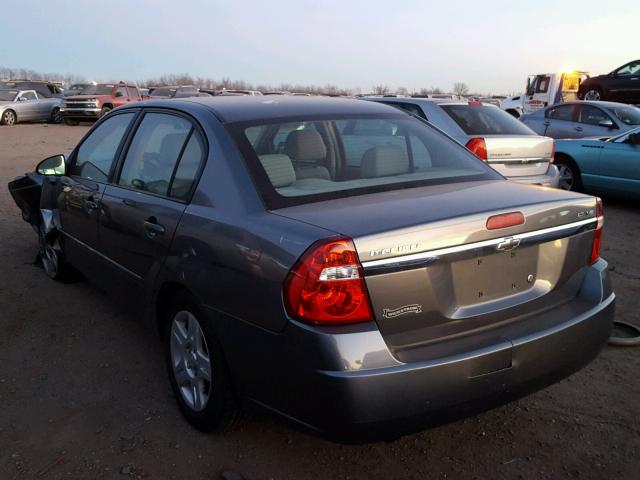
[(190, 360), (592, 95), (9, 118), (566, 177), (56, 116)]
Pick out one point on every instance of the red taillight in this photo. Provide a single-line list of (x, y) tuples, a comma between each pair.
[(326, 285), (597, 237), (505, 220), (475, 104), (553, 151), (478, 146)]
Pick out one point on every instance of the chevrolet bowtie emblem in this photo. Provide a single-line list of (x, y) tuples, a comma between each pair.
[(508, 244)]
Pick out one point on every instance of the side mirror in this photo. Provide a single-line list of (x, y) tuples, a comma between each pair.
[(22, 99), (606, 123), (118, 94), (634, 138), (52, 166)]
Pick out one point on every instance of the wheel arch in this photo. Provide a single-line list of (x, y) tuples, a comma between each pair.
[(163, 298), (513, 111)]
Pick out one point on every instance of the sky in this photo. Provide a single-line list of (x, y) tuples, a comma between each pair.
[(490, 45)]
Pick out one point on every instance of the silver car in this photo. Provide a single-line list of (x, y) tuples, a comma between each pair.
[(27, 106), (511, 148), (583, 119)]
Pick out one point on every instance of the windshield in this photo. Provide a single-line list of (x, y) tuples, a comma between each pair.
[(100, 89), (303, 160), (627, 115), (8, 95), (485, 120), (623, 136), (164, 91)]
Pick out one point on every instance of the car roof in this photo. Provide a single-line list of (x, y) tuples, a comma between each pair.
[(434, 101), (595, 103), (231, 109)]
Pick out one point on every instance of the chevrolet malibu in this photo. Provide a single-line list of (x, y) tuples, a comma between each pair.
[(361, 293)]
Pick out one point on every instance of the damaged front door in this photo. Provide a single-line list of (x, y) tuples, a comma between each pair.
[(79, 193)]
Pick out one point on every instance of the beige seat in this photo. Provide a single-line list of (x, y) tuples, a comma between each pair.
[(384, 161), (279, 169), (308, 152)]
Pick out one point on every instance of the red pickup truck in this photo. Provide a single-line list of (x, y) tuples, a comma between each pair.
[(97, 100)]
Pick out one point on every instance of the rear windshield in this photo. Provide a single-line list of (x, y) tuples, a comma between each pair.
[(627, 115), (485, 120), (302, 160)]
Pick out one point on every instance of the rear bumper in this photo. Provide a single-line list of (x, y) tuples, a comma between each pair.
[(549, 179), (350, 387)]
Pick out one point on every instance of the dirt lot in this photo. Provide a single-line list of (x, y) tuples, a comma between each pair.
[(84, 394)]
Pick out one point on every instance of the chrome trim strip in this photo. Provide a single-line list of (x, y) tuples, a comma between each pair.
[(524, 161), (101, 255), (472, 246)]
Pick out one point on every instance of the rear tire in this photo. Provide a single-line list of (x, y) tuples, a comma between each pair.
[(9, 118), (570, 177), (197, 370), (71, 122)]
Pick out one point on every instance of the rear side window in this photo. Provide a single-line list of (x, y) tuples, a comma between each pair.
[(188, 167), (591, 115), (154, 152), (562, 112), (485, 120), (97, 153)]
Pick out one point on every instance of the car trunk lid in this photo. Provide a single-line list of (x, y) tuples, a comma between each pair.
[(434, 271), (519, 155)]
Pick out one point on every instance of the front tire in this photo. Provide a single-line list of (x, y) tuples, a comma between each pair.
[(52, 257), (104, 111), (9, 118), (593, 94), (196, 366), (56, 116), (570, 178)]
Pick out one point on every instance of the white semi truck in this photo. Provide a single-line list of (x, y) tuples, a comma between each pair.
[(545, 89)]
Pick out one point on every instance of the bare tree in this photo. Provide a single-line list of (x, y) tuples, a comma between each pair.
[(381, 90), (460, 88)]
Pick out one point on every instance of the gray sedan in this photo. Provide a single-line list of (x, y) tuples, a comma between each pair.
[(295, 259), (583, 119), (27, 106)]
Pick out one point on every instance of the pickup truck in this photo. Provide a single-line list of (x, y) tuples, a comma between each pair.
[(98, 100)]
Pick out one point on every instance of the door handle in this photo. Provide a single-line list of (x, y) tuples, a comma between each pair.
[(91, 204), (578, 129), (152, 227)]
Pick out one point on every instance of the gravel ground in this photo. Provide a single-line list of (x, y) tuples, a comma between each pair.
[(84, 393)]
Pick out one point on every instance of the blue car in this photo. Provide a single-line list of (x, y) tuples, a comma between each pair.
[(609, 165), (583, 119)]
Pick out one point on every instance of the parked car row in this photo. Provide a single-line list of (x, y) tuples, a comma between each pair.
[(395, 280)]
